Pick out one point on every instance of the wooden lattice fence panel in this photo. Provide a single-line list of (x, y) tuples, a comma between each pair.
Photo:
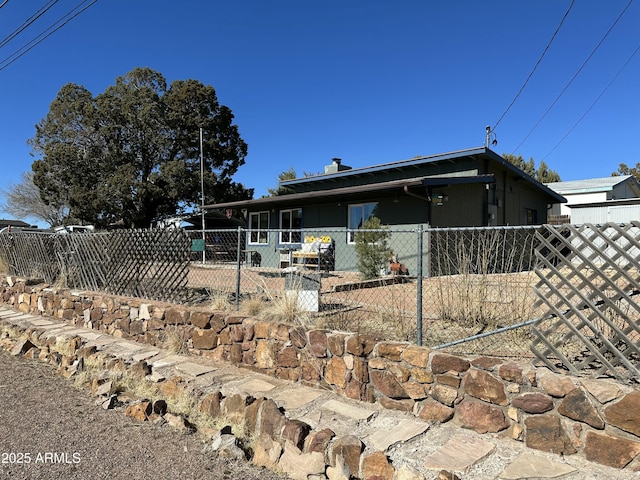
[(151, 264), (82, 260), (30, 254), (588, 286)]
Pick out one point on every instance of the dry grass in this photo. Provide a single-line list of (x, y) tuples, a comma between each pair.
[(63, 347), (61, 281), (275, 305), (285, 308), (133, 384), (175, 339), (4, 265), (393, 319), (253, 305), (185, 402), (485, 301), (220, 302), (11, 332)]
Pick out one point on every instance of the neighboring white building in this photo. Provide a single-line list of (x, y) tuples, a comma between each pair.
[(613, 211), (593, 191)]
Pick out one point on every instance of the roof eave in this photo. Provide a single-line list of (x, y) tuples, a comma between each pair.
[(525, 176)]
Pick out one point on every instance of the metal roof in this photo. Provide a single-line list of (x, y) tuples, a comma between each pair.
[(592, 185), (389, 187), (421, 160)]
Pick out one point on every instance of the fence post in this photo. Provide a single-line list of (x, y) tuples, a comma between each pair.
[(419, 289), (238, 265), (204, 243)]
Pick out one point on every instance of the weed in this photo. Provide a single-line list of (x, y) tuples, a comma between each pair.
[(175, 339), (253, 305), (277, 306), (219, 301), (286, 308), (4, 265), (125, 381)]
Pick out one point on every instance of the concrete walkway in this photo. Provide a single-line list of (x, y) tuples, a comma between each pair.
[(416, 448)]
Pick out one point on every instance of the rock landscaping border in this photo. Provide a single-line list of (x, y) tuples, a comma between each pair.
[(596, 418)]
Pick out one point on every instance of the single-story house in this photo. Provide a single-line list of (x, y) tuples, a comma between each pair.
[(466, 188), (13, 223), (592, 191)]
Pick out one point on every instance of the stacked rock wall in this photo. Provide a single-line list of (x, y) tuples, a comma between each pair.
[(550, 412)]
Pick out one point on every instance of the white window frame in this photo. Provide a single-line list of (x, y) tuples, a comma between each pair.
[(288, 235), (259, 235), (363, 218)]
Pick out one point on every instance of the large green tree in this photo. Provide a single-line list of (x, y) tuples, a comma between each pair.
[(132, 153), (542, 173)]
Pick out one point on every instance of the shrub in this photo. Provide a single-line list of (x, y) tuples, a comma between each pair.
[(372, 248)]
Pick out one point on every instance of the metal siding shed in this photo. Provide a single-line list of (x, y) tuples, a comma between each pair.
[(616, 211)]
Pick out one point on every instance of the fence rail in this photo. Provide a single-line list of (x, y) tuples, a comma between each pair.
[(464, 290)]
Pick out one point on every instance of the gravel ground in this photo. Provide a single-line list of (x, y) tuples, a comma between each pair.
[(51, 430)]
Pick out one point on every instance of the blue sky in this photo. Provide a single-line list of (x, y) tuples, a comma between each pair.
[(368, 81)]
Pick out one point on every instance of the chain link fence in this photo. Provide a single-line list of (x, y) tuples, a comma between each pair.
[(430, 286), (481, 290)]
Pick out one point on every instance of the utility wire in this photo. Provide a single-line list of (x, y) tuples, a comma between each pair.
[(544, 52), (28, 22), (4, 3), (575, 75), (594, 102), (42, 36)]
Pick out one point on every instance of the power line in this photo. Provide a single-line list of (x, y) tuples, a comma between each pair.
[(28, 22), (544, 52), (575, 75), (42, 36), (594, 102), (4, 3)]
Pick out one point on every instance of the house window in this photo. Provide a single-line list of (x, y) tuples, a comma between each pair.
[(358, 214), (291, 226), (259, 224), (530, 216)]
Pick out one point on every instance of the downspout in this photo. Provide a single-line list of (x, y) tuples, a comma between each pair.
[(426, 199), (486, 220)]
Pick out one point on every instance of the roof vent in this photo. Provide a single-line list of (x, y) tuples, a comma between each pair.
[(336, 166)]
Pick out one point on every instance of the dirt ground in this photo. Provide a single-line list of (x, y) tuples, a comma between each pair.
[(50, 430), (453, 307)]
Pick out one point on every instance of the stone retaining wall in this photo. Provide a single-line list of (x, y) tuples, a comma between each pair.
[(556, 413)]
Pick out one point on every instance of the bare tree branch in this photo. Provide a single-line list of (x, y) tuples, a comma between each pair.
[(22, 200)]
